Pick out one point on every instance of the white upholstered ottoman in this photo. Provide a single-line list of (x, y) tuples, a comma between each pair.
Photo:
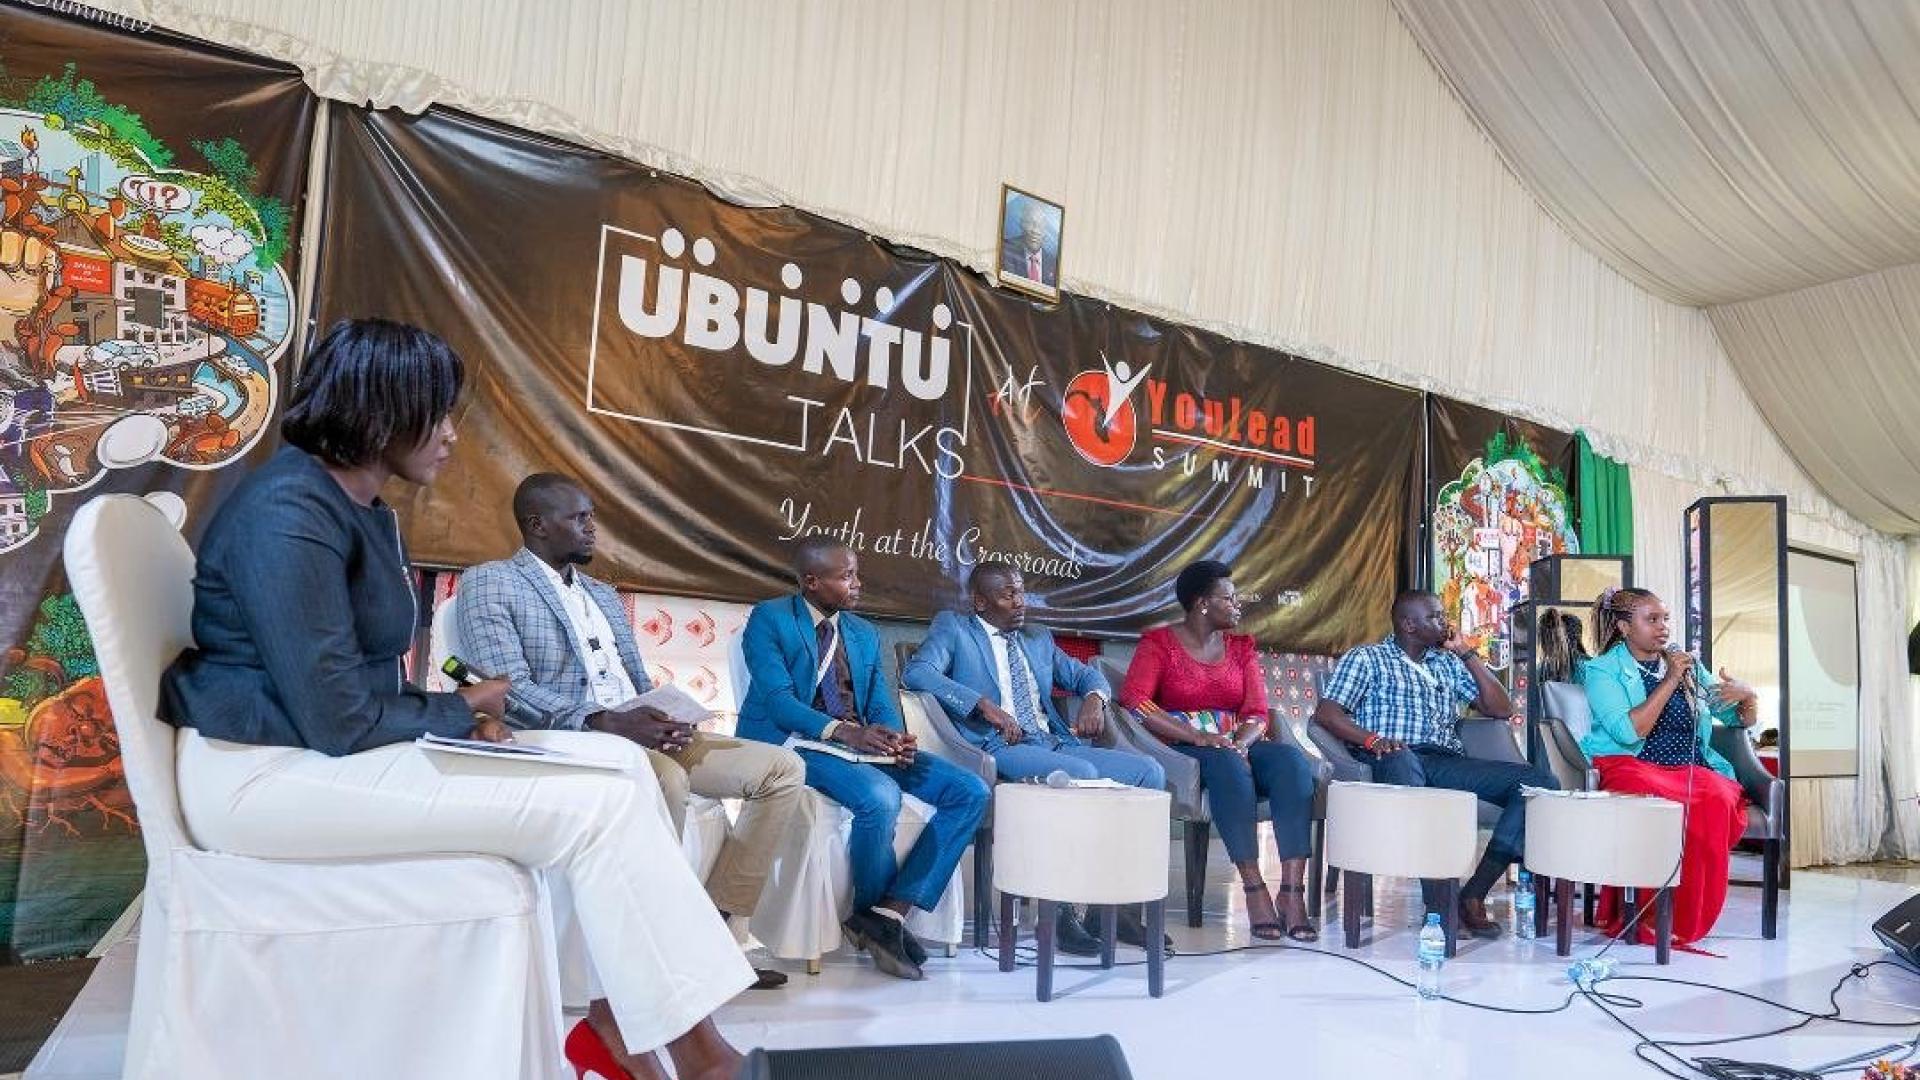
[(1098, 846)]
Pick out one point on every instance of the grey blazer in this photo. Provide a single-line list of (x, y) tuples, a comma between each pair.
[(513, 626)]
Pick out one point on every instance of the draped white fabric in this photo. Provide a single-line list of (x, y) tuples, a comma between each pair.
[(1712, 150), (1717, 151), (1836, 370), (1288, 172)]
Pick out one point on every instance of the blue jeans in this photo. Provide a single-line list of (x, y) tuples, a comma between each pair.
[(872, 794), (1497, 782), (1274, 770), (1031, 761)]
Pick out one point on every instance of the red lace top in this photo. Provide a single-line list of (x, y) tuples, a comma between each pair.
[(1165, 673)]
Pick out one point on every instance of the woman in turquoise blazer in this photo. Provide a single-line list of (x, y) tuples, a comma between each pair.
[(1653, 706)]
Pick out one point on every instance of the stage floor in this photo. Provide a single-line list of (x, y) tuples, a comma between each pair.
[(1307, 1013)]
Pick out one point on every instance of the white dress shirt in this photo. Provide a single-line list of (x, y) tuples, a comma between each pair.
[(607, 677), (1004, 674)]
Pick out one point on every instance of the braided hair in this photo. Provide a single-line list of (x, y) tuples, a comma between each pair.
[(1563, 646), (1612, 606)]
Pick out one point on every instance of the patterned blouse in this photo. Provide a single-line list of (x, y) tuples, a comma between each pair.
[(1216, 698), (1673, 741)]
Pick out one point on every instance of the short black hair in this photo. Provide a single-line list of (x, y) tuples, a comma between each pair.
[(1197, 580), (534, 496), (368, 385), (810, 553), (987, 574)]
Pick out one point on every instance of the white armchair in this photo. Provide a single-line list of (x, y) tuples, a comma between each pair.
[(250, 967)]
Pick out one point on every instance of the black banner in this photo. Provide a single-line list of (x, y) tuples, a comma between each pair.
[(146, 253), (724, 379)]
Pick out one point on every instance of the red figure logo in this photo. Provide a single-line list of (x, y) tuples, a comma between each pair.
[(1098, 413)]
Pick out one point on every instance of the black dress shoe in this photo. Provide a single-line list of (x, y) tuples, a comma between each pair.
[(1132, 929), (881, 937), (916, 952), (1070, 935), (768, 979)]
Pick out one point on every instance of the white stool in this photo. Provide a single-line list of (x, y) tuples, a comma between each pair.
[(1081, 846), (1395, 831), (1626, 840)]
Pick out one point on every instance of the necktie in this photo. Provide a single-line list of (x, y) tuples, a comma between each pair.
[(834, 698), (1033, 265), (1021, 683)]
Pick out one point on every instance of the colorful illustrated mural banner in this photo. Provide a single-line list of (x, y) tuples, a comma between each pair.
[(148, 197)]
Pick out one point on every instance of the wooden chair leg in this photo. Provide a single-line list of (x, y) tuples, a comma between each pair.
[(982, 886), (1663, 927), (813, 965), (1156, 955), (1450, 914), (1009, 930), (1350, 908), (1366, 896), (1770, 889), (1563, 917), (1199, 835), (1316, 865), (1541, 888), (1043, 933), (1109, 933), (1587, 899)]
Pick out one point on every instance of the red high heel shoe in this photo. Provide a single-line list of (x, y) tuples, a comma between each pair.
[(589, 1055)]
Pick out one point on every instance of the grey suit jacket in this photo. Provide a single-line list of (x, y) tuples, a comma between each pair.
[(512, 625)]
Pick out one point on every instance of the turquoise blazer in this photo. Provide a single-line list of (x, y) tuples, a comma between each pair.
[(1614, 688)]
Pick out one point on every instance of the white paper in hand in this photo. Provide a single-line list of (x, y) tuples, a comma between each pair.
[(677, 704)]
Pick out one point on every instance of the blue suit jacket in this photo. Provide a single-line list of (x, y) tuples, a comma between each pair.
[(956, 665), (782, 657)]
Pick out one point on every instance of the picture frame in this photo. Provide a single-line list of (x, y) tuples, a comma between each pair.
[(1031, 230)]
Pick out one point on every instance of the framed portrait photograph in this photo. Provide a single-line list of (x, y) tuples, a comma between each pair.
[(1030, 229)]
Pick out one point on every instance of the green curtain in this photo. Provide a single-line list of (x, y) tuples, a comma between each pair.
[(1604, 499)]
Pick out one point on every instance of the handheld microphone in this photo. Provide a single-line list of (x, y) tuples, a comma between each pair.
[(461, 672), (1059, 778)]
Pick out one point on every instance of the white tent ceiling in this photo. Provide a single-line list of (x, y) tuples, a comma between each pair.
[(1758, 159)]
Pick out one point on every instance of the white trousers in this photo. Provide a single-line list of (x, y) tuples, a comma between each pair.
[(665, 958)]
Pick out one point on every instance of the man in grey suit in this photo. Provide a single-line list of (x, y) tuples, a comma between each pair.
[(994, 674), (563, 642)]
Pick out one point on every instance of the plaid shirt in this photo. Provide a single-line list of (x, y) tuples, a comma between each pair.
[(1387, 693)]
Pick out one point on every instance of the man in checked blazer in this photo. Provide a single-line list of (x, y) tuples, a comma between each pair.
[(563, 642)]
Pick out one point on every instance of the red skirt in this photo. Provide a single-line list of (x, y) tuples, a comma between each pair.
[(1715, 819)]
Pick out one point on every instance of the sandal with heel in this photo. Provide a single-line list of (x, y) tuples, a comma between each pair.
[(1269, 930), (1303, 932)]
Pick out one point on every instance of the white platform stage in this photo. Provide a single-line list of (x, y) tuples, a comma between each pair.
[(1307, 1014)]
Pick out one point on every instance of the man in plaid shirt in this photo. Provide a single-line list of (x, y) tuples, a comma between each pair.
[(1398, 701)]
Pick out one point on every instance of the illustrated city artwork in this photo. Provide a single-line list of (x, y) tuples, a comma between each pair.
[(142, 306), (1506, 509)]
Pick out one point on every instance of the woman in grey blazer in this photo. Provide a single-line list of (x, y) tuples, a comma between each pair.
[(299, 721)]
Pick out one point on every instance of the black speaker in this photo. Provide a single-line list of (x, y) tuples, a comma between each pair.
[(1899, 930), (1097, 1058)]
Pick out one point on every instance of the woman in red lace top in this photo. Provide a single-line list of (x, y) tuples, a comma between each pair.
[(1199, 689)]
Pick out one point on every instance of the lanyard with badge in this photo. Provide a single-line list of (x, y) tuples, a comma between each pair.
[(603, 677)]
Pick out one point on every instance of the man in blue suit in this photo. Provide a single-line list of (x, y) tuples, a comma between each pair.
[(814, 673), (995, 676)]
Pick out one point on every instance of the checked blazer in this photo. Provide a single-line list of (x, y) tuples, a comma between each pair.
[(512, 625)]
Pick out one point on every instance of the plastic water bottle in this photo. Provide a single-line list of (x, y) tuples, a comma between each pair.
[(1523, 904), (1432, 953), (1585, 972)]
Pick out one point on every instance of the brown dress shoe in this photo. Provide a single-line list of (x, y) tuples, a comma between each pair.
[(1473, 919)]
